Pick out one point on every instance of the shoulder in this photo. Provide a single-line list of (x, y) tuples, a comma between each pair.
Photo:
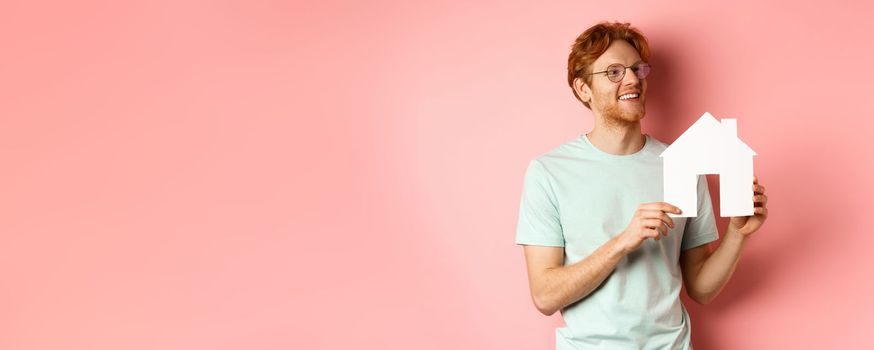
[(657, 146), (559, 156)]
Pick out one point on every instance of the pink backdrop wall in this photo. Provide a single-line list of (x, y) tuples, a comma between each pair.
[(332, 175)]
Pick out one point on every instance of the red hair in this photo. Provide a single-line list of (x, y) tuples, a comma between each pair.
[(594, 42)]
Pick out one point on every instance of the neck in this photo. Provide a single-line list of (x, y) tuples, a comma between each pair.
[(621, 139)]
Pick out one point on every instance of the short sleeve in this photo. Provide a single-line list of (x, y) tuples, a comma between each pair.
[(539, 221), (702, 228)]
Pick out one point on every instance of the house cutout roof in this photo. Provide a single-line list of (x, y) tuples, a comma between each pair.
[(707, 132)]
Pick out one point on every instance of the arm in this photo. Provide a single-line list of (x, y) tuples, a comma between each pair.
[(554, 286), (706, 272)]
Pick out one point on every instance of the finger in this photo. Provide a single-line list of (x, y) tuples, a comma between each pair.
[(655, 234), (667, 220), (761, 211), (651, 223), (658, 214), (758, 189), (657, 224), (755, 179), (760, 199), (662, 228), (649, 233), (665, 207)]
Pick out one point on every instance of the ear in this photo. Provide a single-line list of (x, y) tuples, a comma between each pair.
[(583, 90)]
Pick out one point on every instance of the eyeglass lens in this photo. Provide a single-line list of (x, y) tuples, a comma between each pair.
[(616, 72)]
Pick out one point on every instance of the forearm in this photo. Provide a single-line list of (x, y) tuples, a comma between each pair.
[(715, 272), (564, 285)]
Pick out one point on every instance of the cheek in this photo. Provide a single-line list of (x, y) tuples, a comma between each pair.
[(606, 93)]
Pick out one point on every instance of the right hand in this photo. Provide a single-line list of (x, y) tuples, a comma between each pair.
[(649, 221)]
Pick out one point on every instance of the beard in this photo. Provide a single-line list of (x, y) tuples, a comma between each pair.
[(616, 116)]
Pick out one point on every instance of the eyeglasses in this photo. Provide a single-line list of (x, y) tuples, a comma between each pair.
[(616, 72)]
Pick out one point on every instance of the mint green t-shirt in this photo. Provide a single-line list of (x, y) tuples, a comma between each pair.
[(578, 197)]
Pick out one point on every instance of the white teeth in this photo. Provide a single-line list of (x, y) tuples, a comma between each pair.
[(627, 96)]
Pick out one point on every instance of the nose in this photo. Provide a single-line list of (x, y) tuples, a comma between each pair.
[(630, 77)]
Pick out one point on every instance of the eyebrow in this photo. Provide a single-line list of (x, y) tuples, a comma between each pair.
[(632, 65)]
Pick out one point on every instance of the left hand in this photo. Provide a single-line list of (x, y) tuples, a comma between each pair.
[(746, 225)]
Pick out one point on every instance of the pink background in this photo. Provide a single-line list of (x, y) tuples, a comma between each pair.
[(332, 175)]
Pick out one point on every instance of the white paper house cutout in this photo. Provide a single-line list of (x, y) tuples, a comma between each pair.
[(709, 147)]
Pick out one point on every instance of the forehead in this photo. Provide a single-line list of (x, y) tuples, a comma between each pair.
[(619, 51)]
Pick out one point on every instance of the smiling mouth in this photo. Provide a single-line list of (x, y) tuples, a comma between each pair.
[(630, 97)]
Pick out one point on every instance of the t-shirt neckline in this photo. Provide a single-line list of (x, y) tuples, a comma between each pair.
[(647, 143)]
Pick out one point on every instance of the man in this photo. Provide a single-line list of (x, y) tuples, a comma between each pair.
[(599, 245)]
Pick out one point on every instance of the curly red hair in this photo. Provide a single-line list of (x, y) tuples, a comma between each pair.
[(594, 42)]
